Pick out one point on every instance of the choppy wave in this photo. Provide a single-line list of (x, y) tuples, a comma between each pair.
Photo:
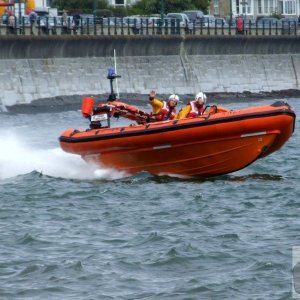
[(73, 231)]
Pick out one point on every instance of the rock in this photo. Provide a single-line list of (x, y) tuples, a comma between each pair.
[(67, 103)]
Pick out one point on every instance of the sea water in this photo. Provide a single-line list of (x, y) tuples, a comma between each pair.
[(73, 231)]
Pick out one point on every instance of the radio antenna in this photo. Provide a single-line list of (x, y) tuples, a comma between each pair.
[(115, 59)]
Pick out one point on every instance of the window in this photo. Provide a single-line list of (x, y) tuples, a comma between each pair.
[(119, 2), (289, 7), (237, 3), (249, 7), (271, 7), (245, 6), (266, 7), (216, 7), (259, 6)]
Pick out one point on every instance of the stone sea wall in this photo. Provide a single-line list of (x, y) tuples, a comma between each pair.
[(44, 67)]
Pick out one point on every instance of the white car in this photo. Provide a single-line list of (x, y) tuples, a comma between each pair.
[(132, 22), (208, 21), (195, 16), (184, 20), (155, 21)]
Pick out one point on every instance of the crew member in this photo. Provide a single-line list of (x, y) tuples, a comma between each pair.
[(194, 108), (163, 110)]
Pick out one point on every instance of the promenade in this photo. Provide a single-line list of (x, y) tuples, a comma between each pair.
[(51, 26)]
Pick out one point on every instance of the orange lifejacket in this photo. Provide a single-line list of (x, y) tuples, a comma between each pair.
[(195, 111), (166, 113)]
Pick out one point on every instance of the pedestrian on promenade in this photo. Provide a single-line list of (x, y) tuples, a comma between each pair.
[(65, 22), (240, 25), (11, 23)]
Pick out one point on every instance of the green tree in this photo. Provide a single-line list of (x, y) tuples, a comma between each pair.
[(177, 5), (142, 7), (201, 4), (119, 11), (148, 7), (85, 6)]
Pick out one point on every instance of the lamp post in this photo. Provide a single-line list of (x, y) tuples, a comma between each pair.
[(20, 14), (230, 11), (94, 8), (162, 9)]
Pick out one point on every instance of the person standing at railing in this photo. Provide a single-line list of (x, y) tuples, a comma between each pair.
[(11, 24), (76, 22), (32, 18), (65, 22), (240, 25), (5, 17)]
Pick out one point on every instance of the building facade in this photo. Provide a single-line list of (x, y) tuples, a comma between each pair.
[(223, 8), (121, 2), (255, 8), (42, 3)]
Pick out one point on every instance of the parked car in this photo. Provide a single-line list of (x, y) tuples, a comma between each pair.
[(208, 21), (46, 21), (268, 22), (146, 22), (112, 21), (290, 23), (171, 23), (221, 22), (184, 20), (231, 22), (195, 16), (58, 21), (132, 21), (248, 21), (156, 21), (89, 19), (86, 19)]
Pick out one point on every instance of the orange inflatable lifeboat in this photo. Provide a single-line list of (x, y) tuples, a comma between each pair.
[(219, 142)]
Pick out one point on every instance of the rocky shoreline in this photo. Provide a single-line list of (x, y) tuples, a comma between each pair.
[(68, 103)]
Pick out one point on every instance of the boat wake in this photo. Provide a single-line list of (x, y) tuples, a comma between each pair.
[(255, 176), (19, 158)]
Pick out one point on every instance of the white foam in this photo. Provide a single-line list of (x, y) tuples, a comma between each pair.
[(19, 158)]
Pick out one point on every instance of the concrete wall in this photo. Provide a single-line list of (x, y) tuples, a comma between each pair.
[(18, 47), (40, 67)]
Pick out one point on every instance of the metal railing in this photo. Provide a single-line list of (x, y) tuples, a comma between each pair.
[(141, 26)]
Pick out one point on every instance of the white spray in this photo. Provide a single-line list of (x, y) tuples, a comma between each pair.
[(19, 158)]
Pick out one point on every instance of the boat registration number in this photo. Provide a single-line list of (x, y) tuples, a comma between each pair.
[(101, 117)]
